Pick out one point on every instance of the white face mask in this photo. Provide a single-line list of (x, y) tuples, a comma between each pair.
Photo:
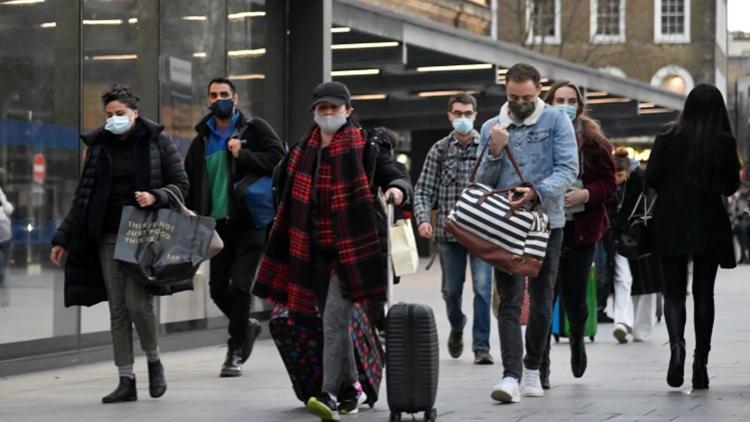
[(330, 124), (118, 124)]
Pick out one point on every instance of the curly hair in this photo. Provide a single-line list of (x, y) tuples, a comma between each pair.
[(123, 94)]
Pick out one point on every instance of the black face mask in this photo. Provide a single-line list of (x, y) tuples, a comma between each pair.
[(223, 108), (522, 110)]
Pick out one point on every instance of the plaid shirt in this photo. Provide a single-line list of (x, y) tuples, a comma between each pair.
[(441, 183)]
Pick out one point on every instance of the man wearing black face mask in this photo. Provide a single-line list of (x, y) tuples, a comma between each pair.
[(228, 148)]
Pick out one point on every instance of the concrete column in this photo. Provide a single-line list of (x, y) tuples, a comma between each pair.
[(298, 57)]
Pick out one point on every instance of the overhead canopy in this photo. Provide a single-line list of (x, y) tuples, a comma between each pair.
[(402, 69)]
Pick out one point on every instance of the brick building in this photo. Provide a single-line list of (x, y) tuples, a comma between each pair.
[(672, 44)]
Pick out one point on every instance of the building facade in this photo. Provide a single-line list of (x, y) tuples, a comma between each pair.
[(738, 95)]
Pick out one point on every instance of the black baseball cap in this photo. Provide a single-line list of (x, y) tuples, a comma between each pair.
[(333, 92)]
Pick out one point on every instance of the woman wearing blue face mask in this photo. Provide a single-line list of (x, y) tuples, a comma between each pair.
[(327, 246), (129, 161), (587, 221)]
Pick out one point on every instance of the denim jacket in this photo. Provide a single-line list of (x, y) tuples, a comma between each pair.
[(545, 147)]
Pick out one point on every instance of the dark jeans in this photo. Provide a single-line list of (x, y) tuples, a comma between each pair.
[(232, 273), (453, 260), (575, 267), (510, 288), (675, 271), (604, 275)]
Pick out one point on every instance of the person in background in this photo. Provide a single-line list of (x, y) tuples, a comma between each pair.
[(228, 146), (586, 218), (328, 244), (129, 161), (543, 141), (693, 165), (444, 176), (635, 286), (7, 208)]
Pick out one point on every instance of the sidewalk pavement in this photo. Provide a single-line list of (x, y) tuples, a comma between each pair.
[(622, 383)]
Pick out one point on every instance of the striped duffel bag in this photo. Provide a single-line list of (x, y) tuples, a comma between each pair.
[(511, 239)]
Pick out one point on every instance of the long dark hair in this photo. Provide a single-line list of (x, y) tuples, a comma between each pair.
[(704, 122)]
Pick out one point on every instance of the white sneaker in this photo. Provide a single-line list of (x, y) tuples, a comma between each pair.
[(532, 385), (621, 333), (506, 391)]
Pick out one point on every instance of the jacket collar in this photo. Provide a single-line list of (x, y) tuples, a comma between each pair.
[(152, 128), (204, 131), (506, 120)]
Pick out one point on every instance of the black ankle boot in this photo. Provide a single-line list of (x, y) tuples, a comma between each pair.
[(700, 370), (676, 371), (125, 391), (578, 360), (232, 366), (544, 375), (157, 385)]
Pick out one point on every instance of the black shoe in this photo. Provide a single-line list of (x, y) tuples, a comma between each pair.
[(456, 344), (232, 366), (603, 318), (157, 385), (544, 376), (578, 360), (676, 371), (350, 398), (125, 391), (700, 371), (253, 330)]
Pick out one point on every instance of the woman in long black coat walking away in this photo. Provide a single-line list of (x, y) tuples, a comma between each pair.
[(693, 166)]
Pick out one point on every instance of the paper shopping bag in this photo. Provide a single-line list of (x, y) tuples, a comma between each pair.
[(403, 248)]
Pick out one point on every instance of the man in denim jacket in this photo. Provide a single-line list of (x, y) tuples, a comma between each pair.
[(543, 141)]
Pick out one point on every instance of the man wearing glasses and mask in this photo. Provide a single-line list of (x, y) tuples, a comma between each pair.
[(229, 146), (444, 175)]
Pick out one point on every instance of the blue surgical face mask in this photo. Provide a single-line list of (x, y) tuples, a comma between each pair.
[(118, 124), (330, 123), (463, 125), (568, 109), (223, 108)]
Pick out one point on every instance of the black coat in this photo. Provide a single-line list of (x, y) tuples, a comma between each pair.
[(158, 167), (689, 220), (260, 154)]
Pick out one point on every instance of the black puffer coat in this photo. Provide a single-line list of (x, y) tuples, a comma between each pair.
[(158, 167)]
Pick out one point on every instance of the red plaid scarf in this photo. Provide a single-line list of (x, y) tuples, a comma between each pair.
[(285, 275)]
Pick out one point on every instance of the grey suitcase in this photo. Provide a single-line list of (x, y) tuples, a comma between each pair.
[(411, 355)]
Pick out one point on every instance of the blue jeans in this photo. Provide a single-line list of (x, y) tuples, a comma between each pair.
[(453, 257)]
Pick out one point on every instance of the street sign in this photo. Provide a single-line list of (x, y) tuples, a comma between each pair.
[(40, 168)]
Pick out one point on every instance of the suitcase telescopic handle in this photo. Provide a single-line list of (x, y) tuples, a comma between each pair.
[(390, 212)]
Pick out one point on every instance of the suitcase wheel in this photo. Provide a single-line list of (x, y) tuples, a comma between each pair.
[(430, 416), (395, 417)]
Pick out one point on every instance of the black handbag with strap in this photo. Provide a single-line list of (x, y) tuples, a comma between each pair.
[(636, 240)]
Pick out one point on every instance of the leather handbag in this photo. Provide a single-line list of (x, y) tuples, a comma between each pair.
[(511, 238), (636, 241)]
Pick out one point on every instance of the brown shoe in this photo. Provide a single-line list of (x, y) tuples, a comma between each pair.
[(456, 344), (483, 358)]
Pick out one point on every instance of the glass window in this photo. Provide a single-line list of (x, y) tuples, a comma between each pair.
[(672, 17), (608, 17), (246, 52), (39, 153), (543, 17), (113, 52)]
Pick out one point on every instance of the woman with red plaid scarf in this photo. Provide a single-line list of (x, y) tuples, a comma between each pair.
[(327, 247)]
